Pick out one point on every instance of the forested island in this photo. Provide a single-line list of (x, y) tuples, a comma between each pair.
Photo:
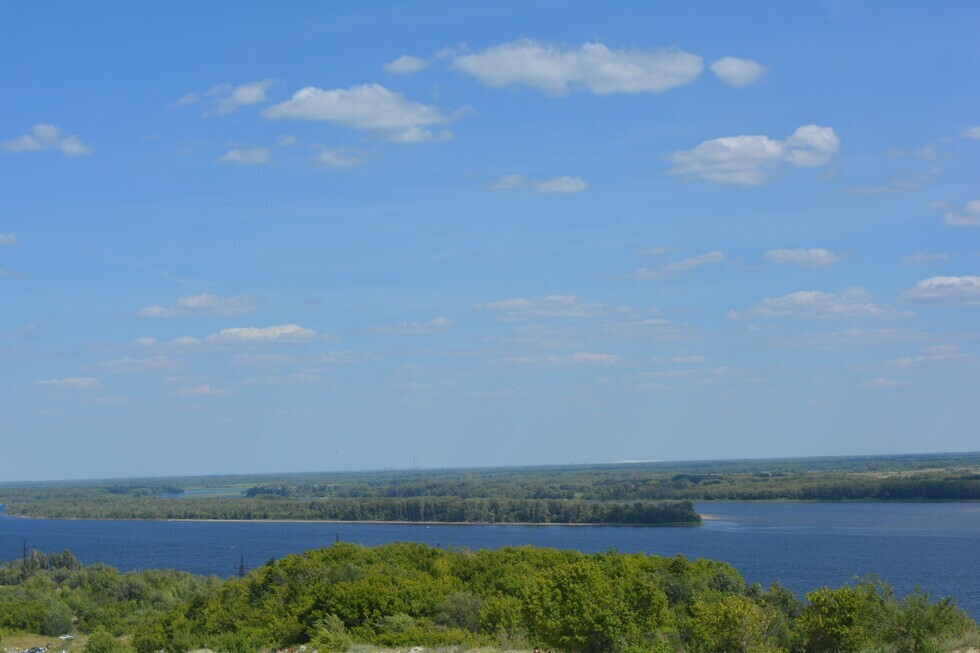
[(404, 595), (629, 493)]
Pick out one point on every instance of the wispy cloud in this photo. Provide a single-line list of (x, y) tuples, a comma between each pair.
[(48, 137), (549, 306), (131, 365), (203, 390), (923, 258), (8, 239), (583, 358), (968, 216), (339, 158), (972, 133), (676, 268), (282, 333), (738, 72), (247, 156), (592, 67), (852, 303), (223, 99), (748, 160), (368, 107), (963, 290), (435, 325), (405, 65), (900, 184), (564, 185), (72, 383), (204, 304), (811, 258)]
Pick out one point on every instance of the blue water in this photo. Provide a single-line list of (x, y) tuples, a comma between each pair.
[(802, 545)]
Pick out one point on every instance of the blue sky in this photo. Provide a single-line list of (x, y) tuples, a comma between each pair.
[(244, 237)]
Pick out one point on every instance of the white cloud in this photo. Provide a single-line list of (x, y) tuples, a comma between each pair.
[(968, 216), (405, 65), (811, 258), (946, 290), (747, 160), (146, 341), (852, 303), (675, 268), (204, 390), (922, 258), (202, 304), (185, 341), (738, 72), (8, 239), (435, 325), (48, 137), (565, 184), (72, 383), (226, 98), (549, 306), (283, 333), (287, 140), (247, 157), (689, 359), (338, 158), (592, 66), (972, 133), (369, 107)]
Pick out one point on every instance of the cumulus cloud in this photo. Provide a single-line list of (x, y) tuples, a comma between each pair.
[(852, 303), (747, 160), (204, 390), (592, 66), (738, 72), (968, 216), (811, 258), (435, 325), (72, 383), (247, 157), (923, 258), (549, 306), (971, 133), (405, 65), (8, 239), (282, 333), (963, 290), (338, 158), (675, 268), (48, 137), (203, 304), (226, 98), (368, 107)]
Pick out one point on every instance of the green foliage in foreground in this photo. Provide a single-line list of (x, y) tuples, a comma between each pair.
[(403, 595)]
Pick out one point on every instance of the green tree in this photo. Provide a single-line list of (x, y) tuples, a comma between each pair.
[(844, 620), (917, 625), (101, 641), (732, 624), (575, 607)]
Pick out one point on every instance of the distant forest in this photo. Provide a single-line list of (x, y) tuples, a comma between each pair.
[(636, 493)]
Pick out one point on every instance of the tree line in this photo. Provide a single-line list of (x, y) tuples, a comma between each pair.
[(405, 594)]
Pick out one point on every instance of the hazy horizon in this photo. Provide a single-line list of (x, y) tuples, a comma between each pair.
[(247, 236)]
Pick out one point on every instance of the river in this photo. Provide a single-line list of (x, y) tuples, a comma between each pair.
[(802, 545)]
